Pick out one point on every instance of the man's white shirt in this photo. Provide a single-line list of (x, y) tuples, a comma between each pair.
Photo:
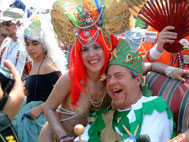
[(157, 125), (10, 54)]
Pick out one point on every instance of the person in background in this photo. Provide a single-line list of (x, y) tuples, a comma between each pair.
[(153, 51), (10, 48), (48, 63), (139, 23), (151, 48), (18, 4), (3, 34)]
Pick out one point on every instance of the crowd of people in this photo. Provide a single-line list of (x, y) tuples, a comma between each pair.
[(99, 82)]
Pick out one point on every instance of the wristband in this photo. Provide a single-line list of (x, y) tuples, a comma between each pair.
[(168, 71), (179, 138), (147, 57), (154, 53), (65, 136)]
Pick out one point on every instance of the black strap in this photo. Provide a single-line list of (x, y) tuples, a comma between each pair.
[(7, 131), (3, 101)]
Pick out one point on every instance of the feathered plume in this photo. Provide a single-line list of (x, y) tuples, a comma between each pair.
[(135, 6)]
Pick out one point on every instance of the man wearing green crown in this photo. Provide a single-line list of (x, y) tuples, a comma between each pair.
[(133, 111)]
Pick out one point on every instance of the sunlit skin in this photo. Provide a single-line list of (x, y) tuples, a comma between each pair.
[(10, 30), (2, 31), (34, 49), (123, 89), (93, 58)]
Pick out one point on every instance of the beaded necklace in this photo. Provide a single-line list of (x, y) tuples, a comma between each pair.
[(2, 51), (9, 52), (180, 60), (36, 82), (97, 103), (94, 103)]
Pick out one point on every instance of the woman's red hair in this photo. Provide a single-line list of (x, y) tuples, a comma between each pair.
[(77, 70)]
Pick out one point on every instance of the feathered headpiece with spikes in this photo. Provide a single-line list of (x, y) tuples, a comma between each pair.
[(83, 23), (69, 17)]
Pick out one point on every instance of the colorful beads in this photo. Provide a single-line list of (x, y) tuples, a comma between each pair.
[(179, 138), (180, 60)]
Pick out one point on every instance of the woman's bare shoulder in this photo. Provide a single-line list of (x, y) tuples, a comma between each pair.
[(61, 89), (48, 67), (64, 82), (65, 77)]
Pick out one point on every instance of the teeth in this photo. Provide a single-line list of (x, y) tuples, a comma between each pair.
[(94, 61), (116, 90)]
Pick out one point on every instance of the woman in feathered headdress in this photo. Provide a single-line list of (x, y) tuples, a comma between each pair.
[(48, 63), (88, 26)]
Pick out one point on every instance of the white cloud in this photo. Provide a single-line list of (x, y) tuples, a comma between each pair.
[(4, 4), (39, 4)]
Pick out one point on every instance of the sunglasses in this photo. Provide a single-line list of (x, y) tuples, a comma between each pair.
[(3, 35), (8, 24)]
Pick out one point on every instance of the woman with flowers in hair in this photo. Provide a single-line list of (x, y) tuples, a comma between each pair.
[(48, 63), (89, 26)]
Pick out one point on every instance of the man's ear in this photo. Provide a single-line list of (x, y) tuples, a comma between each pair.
[(18, 24), (138, 79)]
